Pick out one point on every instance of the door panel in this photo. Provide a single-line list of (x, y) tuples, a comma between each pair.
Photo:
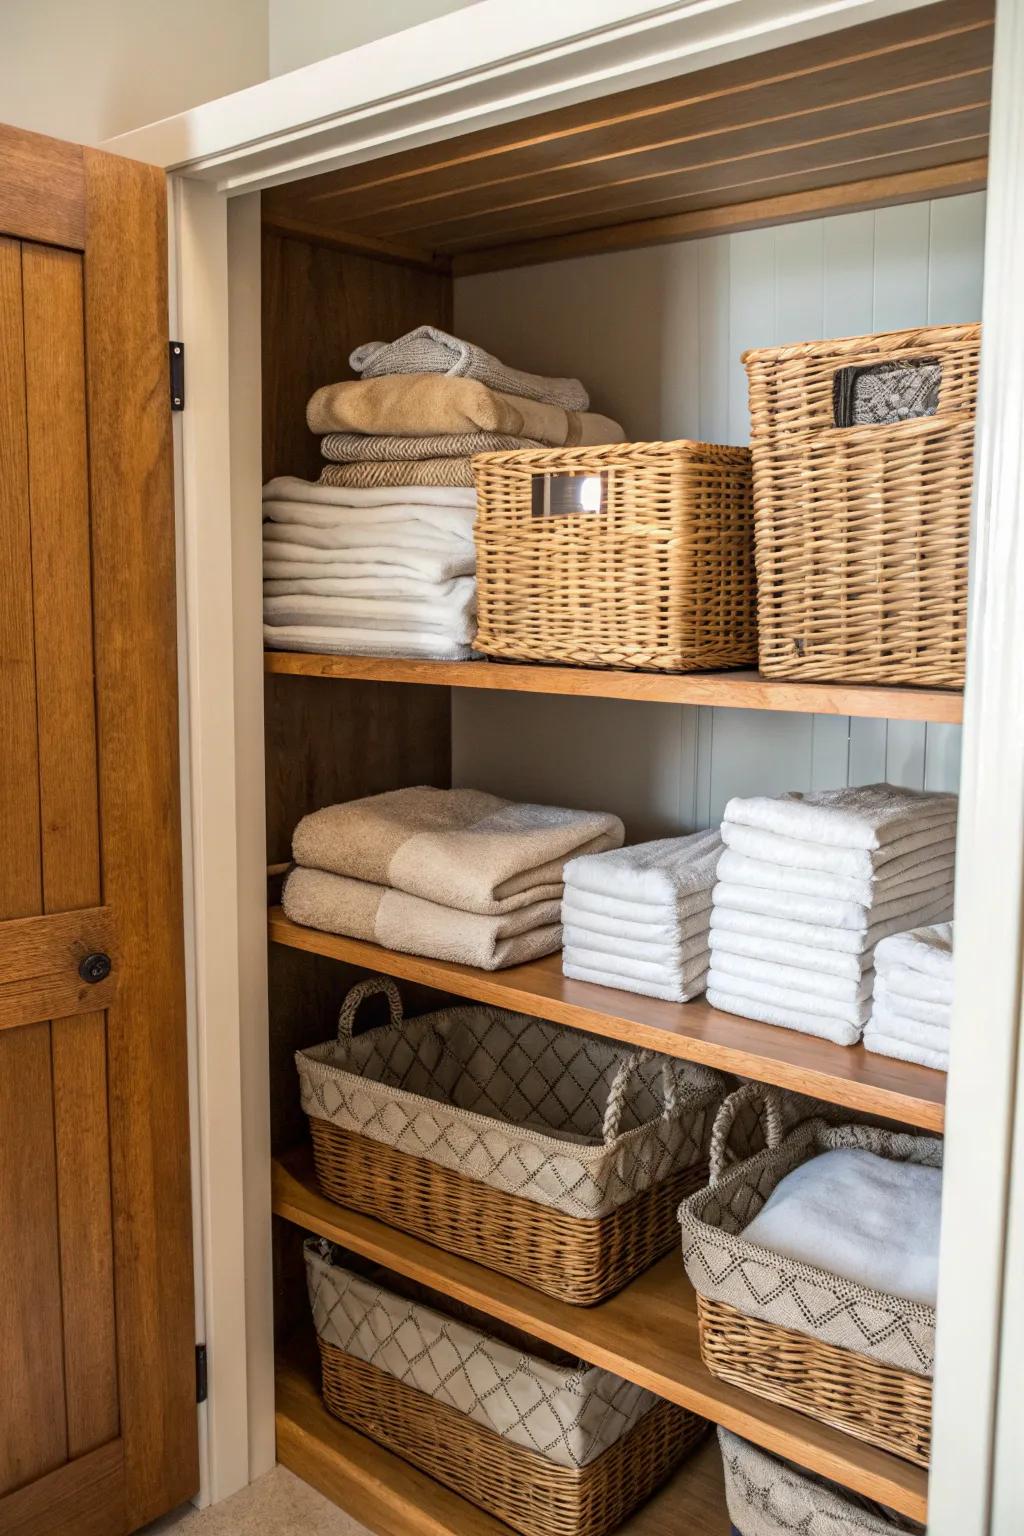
[(97, 1412)]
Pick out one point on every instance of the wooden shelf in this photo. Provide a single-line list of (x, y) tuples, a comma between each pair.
[(722, 690), (392, 1498), (846, 1075), (648, 1334)]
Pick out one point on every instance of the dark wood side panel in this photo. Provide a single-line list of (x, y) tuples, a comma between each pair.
[(83, 1498), (133, 546), (42, 189)]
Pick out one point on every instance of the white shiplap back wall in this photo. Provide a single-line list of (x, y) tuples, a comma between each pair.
[(656, 335)]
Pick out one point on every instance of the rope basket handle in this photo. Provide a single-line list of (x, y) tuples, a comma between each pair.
[(359, 993), (767, 1100), (624, 1075)]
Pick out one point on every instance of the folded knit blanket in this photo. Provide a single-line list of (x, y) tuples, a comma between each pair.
[(462, 848), (428, 350), (355, 447), (659, 873), (379, 915), (414, 644), (396, 472), (868, 816), (419, 404)]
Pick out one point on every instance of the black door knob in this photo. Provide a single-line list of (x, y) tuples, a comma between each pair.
[(95, 967)]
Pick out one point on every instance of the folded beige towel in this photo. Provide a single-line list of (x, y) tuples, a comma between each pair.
[(394, 920), (357, 447), (419, 404), (400, 472), (461, 848)]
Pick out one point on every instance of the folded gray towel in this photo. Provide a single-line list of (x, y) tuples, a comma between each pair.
[(428, 350)]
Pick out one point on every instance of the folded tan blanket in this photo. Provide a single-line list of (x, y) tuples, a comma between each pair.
[(377, 915), (461, 848), (420, 404), (356, 447), (400, 472)]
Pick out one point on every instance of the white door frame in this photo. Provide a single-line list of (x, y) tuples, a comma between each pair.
[(497, 62)]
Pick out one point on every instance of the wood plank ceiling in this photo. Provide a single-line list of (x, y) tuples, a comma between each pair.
[(890, 111)]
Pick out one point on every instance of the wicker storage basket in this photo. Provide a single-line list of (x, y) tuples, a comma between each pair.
[(849, 1356), (539, 1151), (549, 1445), (661, 577), (862, 531), (768, 1497)]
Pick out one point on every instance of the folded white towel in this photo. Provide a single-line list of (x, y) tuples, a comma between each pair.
[(409, 532), (869, 1219), (679, 948), (619, 983), (667, 930), (901, 981), (289, 488), (846, 989), (934, 1037), (919, 1008), (365, 642), (661, 873), (928, 950), (786, 1018), (364, 586), (629, 911), (855, 1012), (903, 1050), (865, 816), (917, 873), (456, 621), (858, 863), (824, 962), (455, 520), (819, 935), (422, 566), (665, 973), (848, 915)]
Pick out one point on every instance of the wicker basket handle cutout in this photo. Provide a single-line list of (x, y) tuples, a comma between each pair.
[(768, 1103), (628, 1067), (358, 995)]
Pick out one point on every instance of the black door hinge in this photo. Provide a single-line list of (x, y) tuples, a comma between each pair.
[(201, 1374), (176, 353)]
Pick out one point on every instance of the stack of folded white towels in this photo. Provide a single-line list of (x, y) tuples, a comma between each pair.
[(913, 1001), (637, 918), (364, 571), (808, 885)]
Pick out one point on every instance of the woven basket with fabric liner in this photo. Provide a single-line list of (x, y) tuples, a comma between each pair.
[(657, 575), (544, 1442), (540, 1151), (768, 1497), (849, 1356), (862, 530)]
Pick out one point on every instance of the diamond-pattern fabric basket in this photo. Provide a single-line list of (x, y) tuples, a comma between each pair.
[(862, 530), (849, 1356), (768, 1497), (549, 1445), (659, 577), (540, 1151)]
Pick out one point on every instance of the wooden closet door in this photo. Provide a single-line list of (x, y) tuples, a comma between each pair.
[(97, 1382)]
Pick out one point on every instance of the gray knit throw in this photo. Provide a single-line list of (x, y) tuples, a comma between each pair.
[(428, 350)]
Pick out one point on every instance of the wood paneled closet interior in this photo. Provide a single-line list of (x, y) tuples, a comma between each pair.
[(831, 183)]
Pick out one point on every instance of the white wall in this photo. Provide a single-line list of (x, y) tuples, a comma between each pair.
[(86, 70), (656, 335), (302, 31)]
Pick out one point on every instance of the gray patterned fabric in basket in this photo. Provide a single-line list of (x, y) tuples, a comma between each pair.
[(569, 1413), (724, 1267), (768, 1497), (531, 1108)]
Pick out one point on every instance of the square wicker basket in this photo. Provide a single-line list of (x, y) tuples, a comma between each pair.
[(659, 576), (862, 531)]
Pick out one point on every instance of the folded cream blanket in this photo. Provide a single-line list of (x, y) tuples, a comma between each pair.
[(866, 1218), (836, 1030), (849, 941), (859, 863), (414, 644), (395, 920), (677, 992), (866, 817), (428, 350), (356, 447), (850, 916), (462, 848), (661, 873), (399, 472), (420, 404), (902, 877)]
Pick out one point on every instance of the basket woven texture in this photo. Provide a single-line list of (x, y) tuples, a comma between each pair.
[(542, 1152), (660, 579), (847, 1355), (862, 532), (768, 1497)]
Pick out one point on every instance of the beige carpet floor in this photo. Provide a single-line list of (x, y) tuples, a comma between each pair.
[(278, 1504)]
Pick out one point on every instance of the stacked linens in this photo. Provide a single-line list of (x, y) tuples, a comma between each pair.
[(808, 886), (913, 999)]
